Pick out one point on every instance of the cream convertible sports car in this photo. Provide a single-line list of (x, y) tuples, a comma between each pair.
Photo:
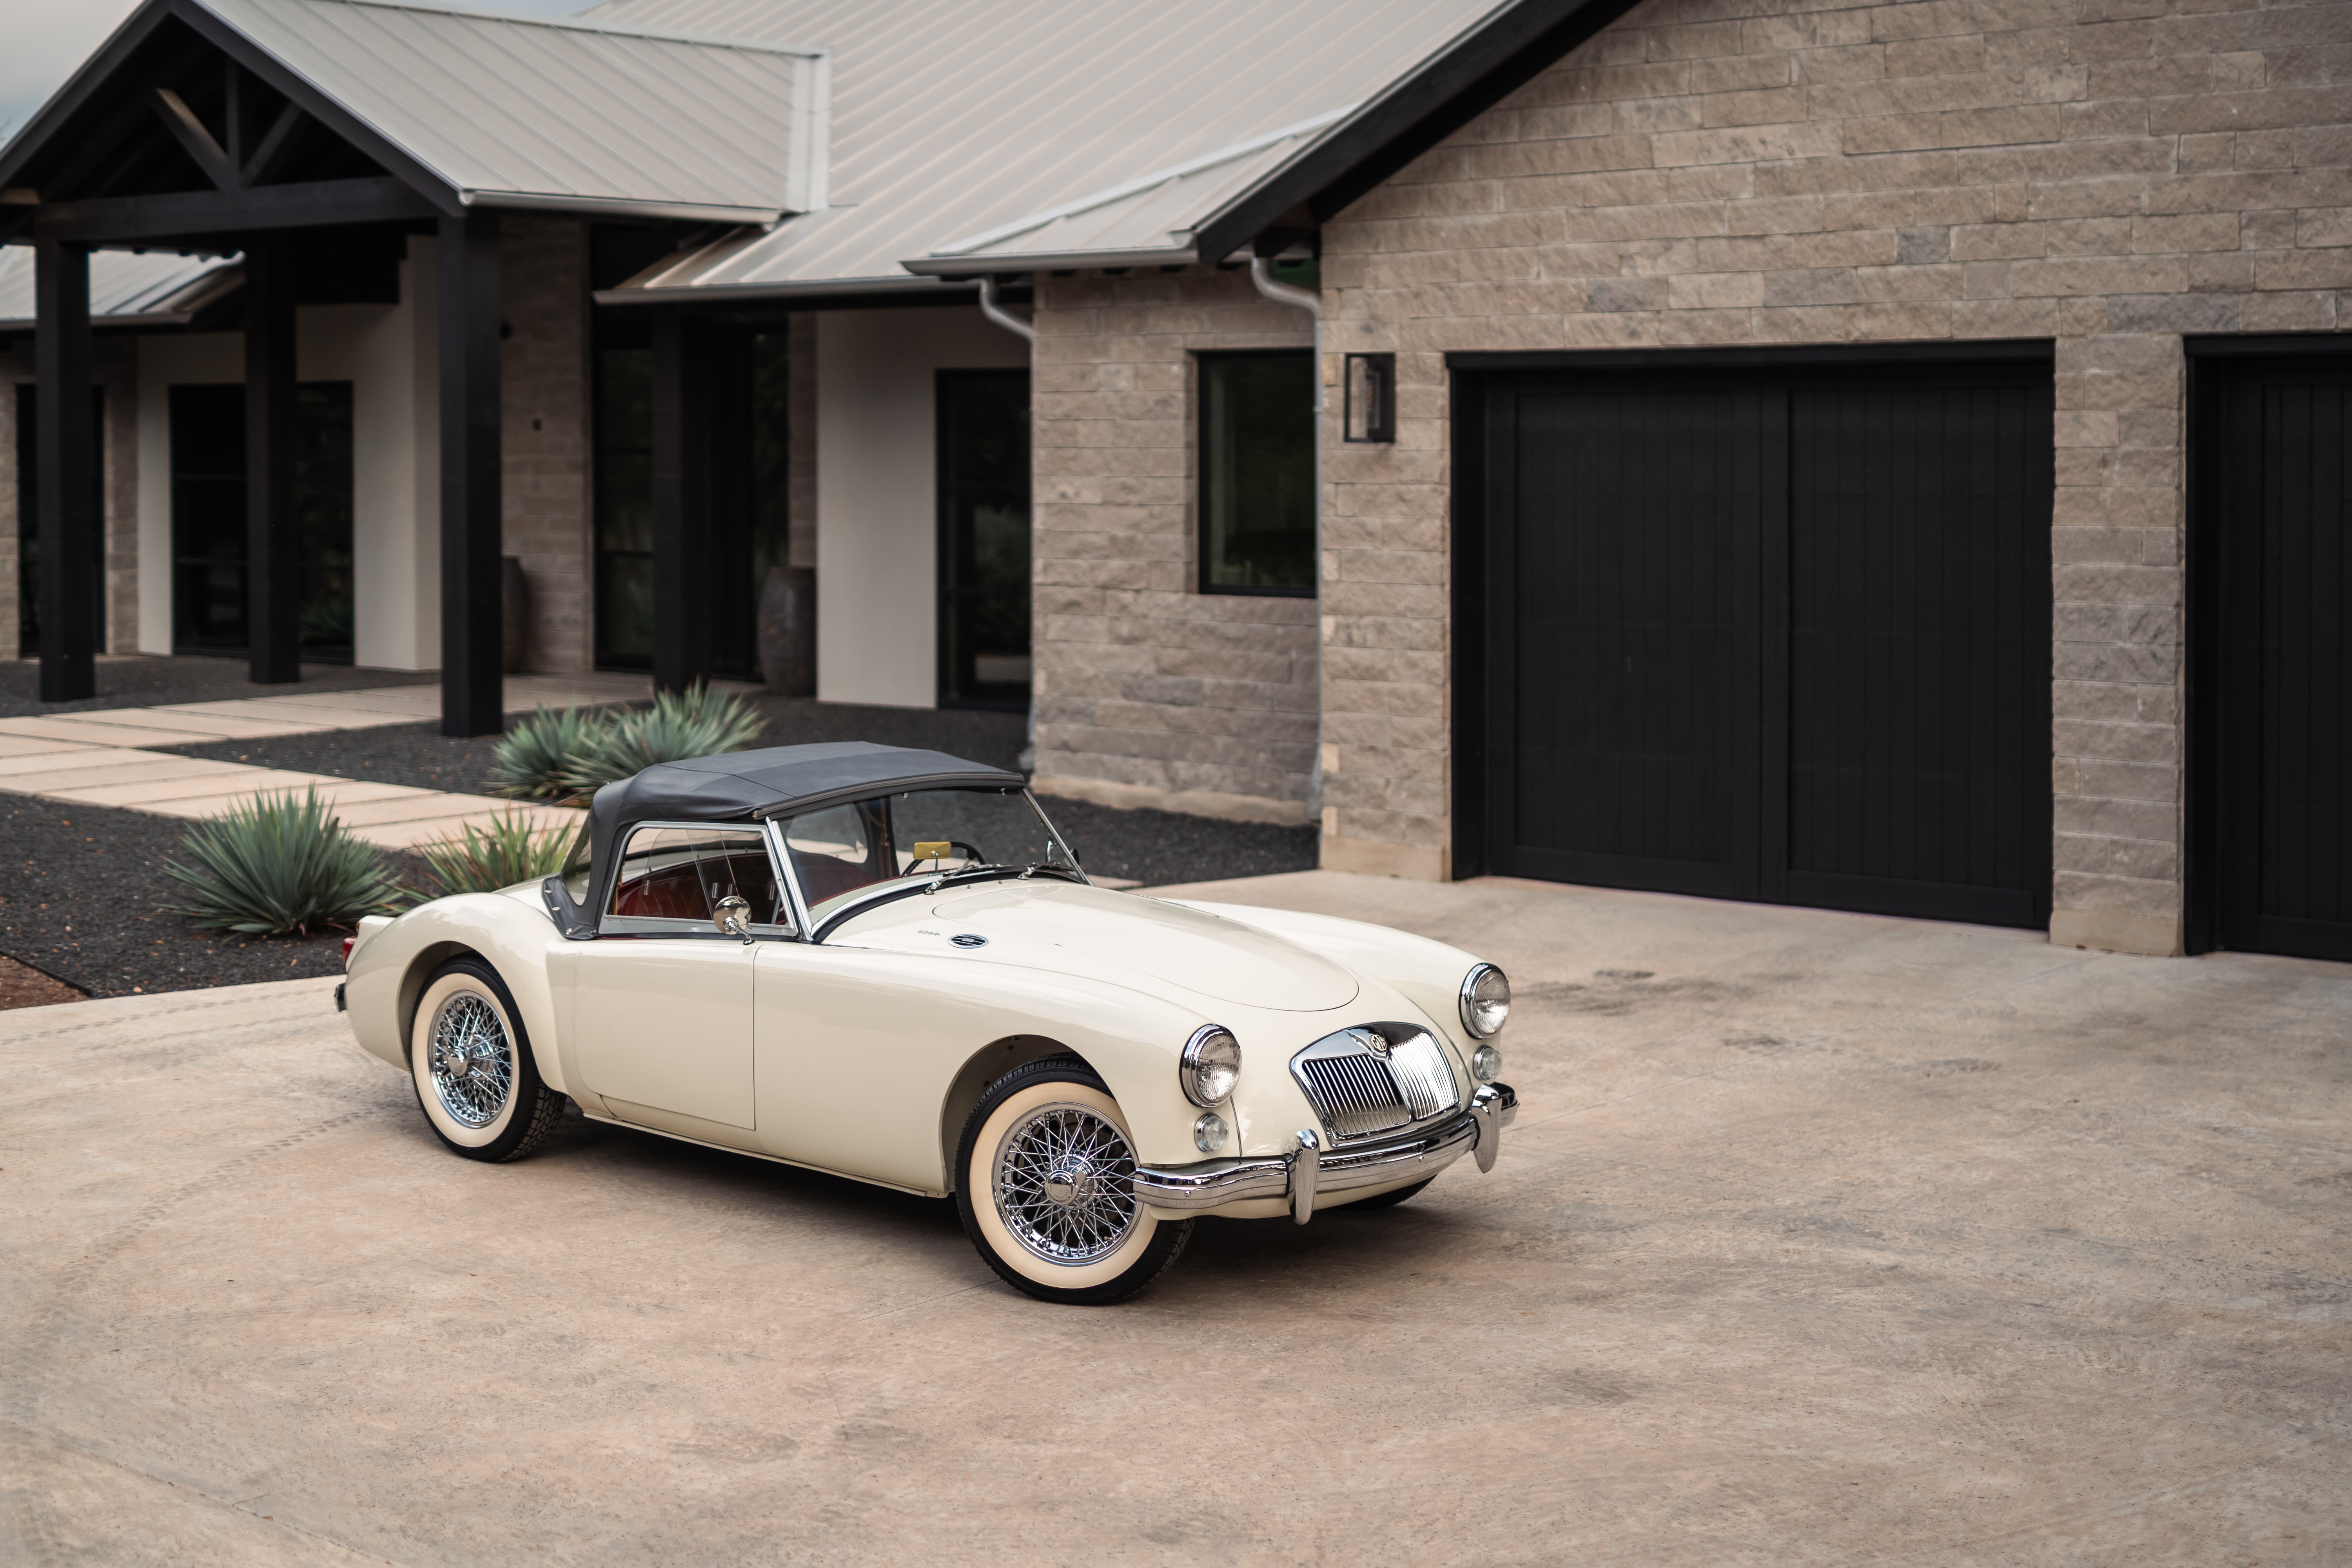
[(886, 963)]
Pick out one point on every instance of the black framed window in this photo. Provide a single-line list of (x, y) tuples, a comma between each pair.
[(624, 498), (983, 479), (208, 521), (1257, 472)]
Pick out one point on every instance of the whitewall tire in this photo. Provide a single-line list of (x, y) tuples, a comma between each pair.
[(472, 1065), (1044, 1185)]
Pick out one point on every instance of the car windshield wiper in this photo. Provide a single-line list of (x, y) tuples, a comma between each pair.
[(1071, 872)]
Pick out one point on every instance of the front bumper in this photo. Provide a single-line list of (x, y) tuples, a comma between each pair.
[(1311, 1170)]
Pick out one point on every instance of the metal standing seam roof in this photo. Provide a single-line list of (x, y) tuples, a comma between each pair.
[(581, 116), (125, 289), (1036, 132)]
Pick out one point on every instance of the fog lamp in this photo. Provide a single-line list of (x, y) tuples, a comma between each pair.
[(1208, 1133), (1485, 1063)]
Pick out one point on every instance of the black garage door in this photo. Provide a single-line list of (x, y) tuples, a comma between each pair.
[(2274, 663), (1775, 634)]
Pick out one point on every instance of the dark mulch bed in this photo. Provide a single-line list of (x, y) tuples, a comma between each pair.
[(421, 756), (81, 887), (417, 755), (155, 682), (82, 890), (1157, 847)]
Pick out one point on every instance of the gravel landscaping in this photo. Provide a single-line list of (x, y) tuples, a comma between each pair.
[(82, 888), (156, 682), (81, 895)]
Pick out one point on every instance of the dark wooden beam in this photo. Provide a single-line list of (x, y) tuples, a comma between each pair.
[(189, 133), (273, 565), (109, 219), (276, 142), (685, 532), (472, 689), (66, 454)]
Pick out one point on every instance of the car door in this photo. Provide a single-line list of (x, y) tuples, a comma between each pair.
[(664, 1001)]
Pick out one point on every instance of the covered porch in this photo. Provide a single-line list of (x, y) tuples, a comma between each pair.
[(275, 132)]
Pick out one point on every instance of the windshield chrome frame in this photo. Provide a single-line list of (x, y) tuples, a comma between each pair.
[(902, 885)]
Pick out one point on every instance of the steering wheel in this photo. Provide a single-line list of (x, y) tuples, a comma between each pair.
[(970, 853)]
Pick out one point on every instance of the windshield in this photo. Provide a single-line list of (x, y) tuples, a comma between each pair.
[(841, 851)]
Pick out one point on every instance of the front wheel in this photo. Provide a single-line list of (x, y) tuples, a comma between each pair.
[(1046, 1189), (475, 1077)]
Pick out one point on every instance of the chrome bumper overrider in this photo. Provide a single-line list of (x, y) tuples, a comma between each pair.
[(1311, 1170)]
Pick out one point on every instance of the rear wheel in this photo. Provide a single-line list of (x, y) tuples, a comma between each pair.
[(471, 1062), (1046, 1189)]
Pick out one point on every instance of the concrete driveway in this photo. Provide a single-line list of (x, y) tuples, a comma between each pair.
[(1822, 1239)]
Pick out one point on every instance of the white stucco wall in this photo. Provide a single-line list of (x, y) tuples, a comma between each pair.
[(165, 363), (389, 354), (877, 502)]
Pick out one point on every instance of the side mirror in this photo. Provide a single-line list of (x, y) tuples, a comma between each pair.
[(732, 915)]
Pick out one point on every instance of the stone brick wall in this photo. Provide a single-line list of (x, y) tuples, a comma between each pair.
[(1148, 691), (114, 365), (2107, 173), (543, 296)]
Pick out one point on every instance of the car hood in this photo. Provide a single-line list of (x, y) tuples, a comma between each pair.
[(1094, 930)]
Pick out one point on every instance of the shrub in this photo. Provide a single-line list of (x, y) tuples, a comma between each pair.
[(281, 864), (532, 757), (696, 722), (483, 859)]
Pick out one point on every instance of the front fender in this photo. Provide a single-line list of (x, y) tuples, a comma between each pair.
[(388, 971), (1428, 973)]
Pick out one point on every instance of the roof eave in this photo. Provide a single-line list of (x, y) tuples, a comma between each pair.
[(810, 290), (622, 207), (1487, 61), (1051, 261)]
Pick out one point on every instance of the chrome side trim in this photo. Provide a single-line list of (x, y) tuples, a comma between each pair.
[(1210, 1184)]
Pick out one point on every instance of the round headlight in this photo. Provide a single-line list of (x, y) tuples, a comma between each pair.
[(1485, 1001), (1211, 1066), (1485, 1063), (1209, 1132)]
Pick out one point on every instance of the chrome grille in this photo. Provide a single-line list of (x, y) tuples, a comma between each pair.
[(1378, 1078)]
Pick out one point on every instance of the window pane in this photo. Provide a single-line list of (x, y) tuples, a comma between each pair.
[(681, 873), (1258, 467)]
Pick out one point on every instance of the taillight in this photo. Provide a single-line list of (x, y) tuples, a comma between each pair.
[(349, 942)]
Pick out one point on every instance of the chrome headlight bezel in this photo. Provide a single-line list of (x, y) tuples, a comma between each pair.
[(1210, 1055), (1469, 1001)]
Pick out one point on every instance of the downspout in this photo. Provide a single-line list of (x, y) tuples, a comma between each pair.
[(996, 312), (1308, 300)]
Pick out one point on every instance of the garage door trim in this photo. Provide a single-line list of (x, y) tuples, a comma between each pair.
[(1472, 376)]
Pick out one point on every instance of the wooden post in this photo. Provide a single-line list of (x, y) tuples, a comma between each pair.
[(66, 452), (685, 590), (273, 545), (472, 689)]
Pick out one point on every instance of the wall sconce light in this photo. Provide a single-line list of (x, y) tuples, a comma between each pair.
[(1370, 398)]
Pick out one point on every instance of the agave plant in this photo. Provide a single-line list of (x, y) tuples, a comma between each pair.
[(281, 864), (696, 722), (532, 757), (509, 850)]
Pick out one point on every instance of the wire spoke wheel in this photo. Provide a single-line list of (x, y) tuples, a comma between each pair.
[(472, 1061), (1065, 1184)]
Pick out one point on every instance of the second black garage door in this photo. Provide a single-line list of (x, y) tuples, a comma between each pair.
[(1769, 633)]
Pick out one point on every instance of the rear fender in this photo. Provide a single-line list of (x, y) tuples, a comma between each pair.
[(390, 969)]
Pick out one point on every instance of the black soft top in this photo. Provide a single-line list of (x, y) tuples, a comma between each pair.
[(741, 786)]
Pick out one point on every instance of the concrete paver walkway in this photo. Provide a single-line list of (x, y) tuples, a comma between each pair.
[(1822, 1239), (98, 758)]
